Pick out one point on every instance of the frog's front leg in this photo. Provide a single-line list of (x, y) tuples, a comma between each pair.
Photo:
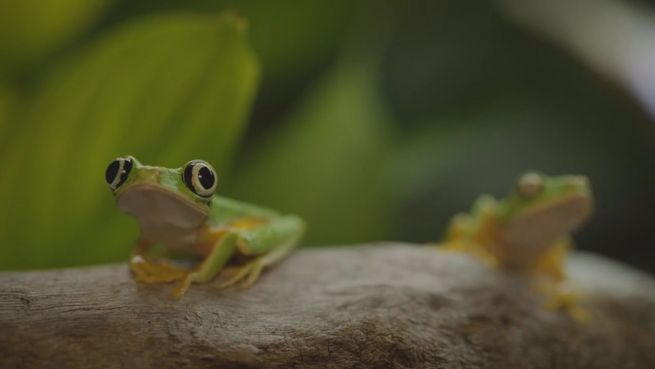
[(560, 296), (552, 262), (152, 271)]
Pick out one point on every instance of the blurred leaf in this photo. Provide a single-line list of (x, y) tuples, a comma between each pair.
[(5, 102), (29, 29), (326, 162), (290, 36), (166, 88), (322, 23)]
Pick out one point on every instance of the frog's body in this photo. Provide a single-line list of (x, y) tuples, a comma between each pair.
[(177, 208), (528, 231)]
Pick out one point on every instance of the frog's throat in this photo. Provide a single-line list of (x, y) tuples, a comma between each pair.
[(163, 215), (565, 214), (532, 232)]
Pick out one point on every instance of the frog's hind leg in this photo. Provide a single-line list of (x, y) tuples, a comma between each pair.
[(456, 233), (247, 273), (267, 245)]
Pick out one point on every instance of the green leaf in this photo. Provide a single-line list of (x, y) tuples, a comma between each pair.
[(166, 89), (327, 161)]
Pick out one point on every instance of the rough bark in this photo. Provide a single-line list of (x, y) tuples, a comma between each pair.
[(378, 306)]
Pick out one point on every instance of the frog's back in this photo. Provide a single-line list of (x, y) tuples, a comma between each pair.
[(224, 210)]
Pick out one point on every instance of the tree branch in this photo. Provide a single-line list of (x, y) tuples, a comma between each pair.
[(392, 306)]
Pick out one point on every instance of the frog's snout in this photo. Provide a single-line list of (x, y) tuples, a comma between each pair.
[(580, 187), (578, 181), (148, 174)]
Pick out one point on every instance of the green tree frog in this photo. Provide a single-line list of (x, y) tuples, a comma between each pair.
[(528, 231), (178, 210)]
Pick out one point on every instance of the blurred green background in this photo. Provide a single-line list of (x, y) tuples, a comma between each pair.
[(373, 120)]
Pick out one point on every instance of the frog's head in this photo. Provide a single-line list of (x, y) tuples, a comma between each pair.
[(542, 209), (163, 200)]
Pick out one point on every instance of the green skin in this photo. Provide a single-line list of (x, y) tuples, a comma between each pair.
[(529, 230), (214, 228)]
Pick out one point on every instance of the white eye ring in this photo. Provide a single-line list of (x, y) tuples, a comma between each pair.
[(530, 184), (200, 178)]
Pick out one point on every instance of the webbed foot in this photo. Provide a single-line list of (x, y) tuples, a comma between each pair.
[(160, 271), (563, 298), (181, 289)]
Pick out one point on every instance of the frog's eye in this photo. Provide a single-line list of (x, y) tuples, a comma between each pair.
[(200, 178), (118, 171), (530, 184)]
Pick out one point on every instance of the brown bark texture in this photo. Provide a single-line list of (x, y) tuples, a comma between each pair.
[(387, 305)]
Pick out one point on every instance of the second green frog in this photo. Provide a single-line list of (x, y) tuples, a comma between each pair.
[(528, 232)]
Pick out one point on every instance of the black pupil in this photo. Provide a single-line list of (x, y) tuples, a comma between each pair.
[(206, 177), (112, 171)]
